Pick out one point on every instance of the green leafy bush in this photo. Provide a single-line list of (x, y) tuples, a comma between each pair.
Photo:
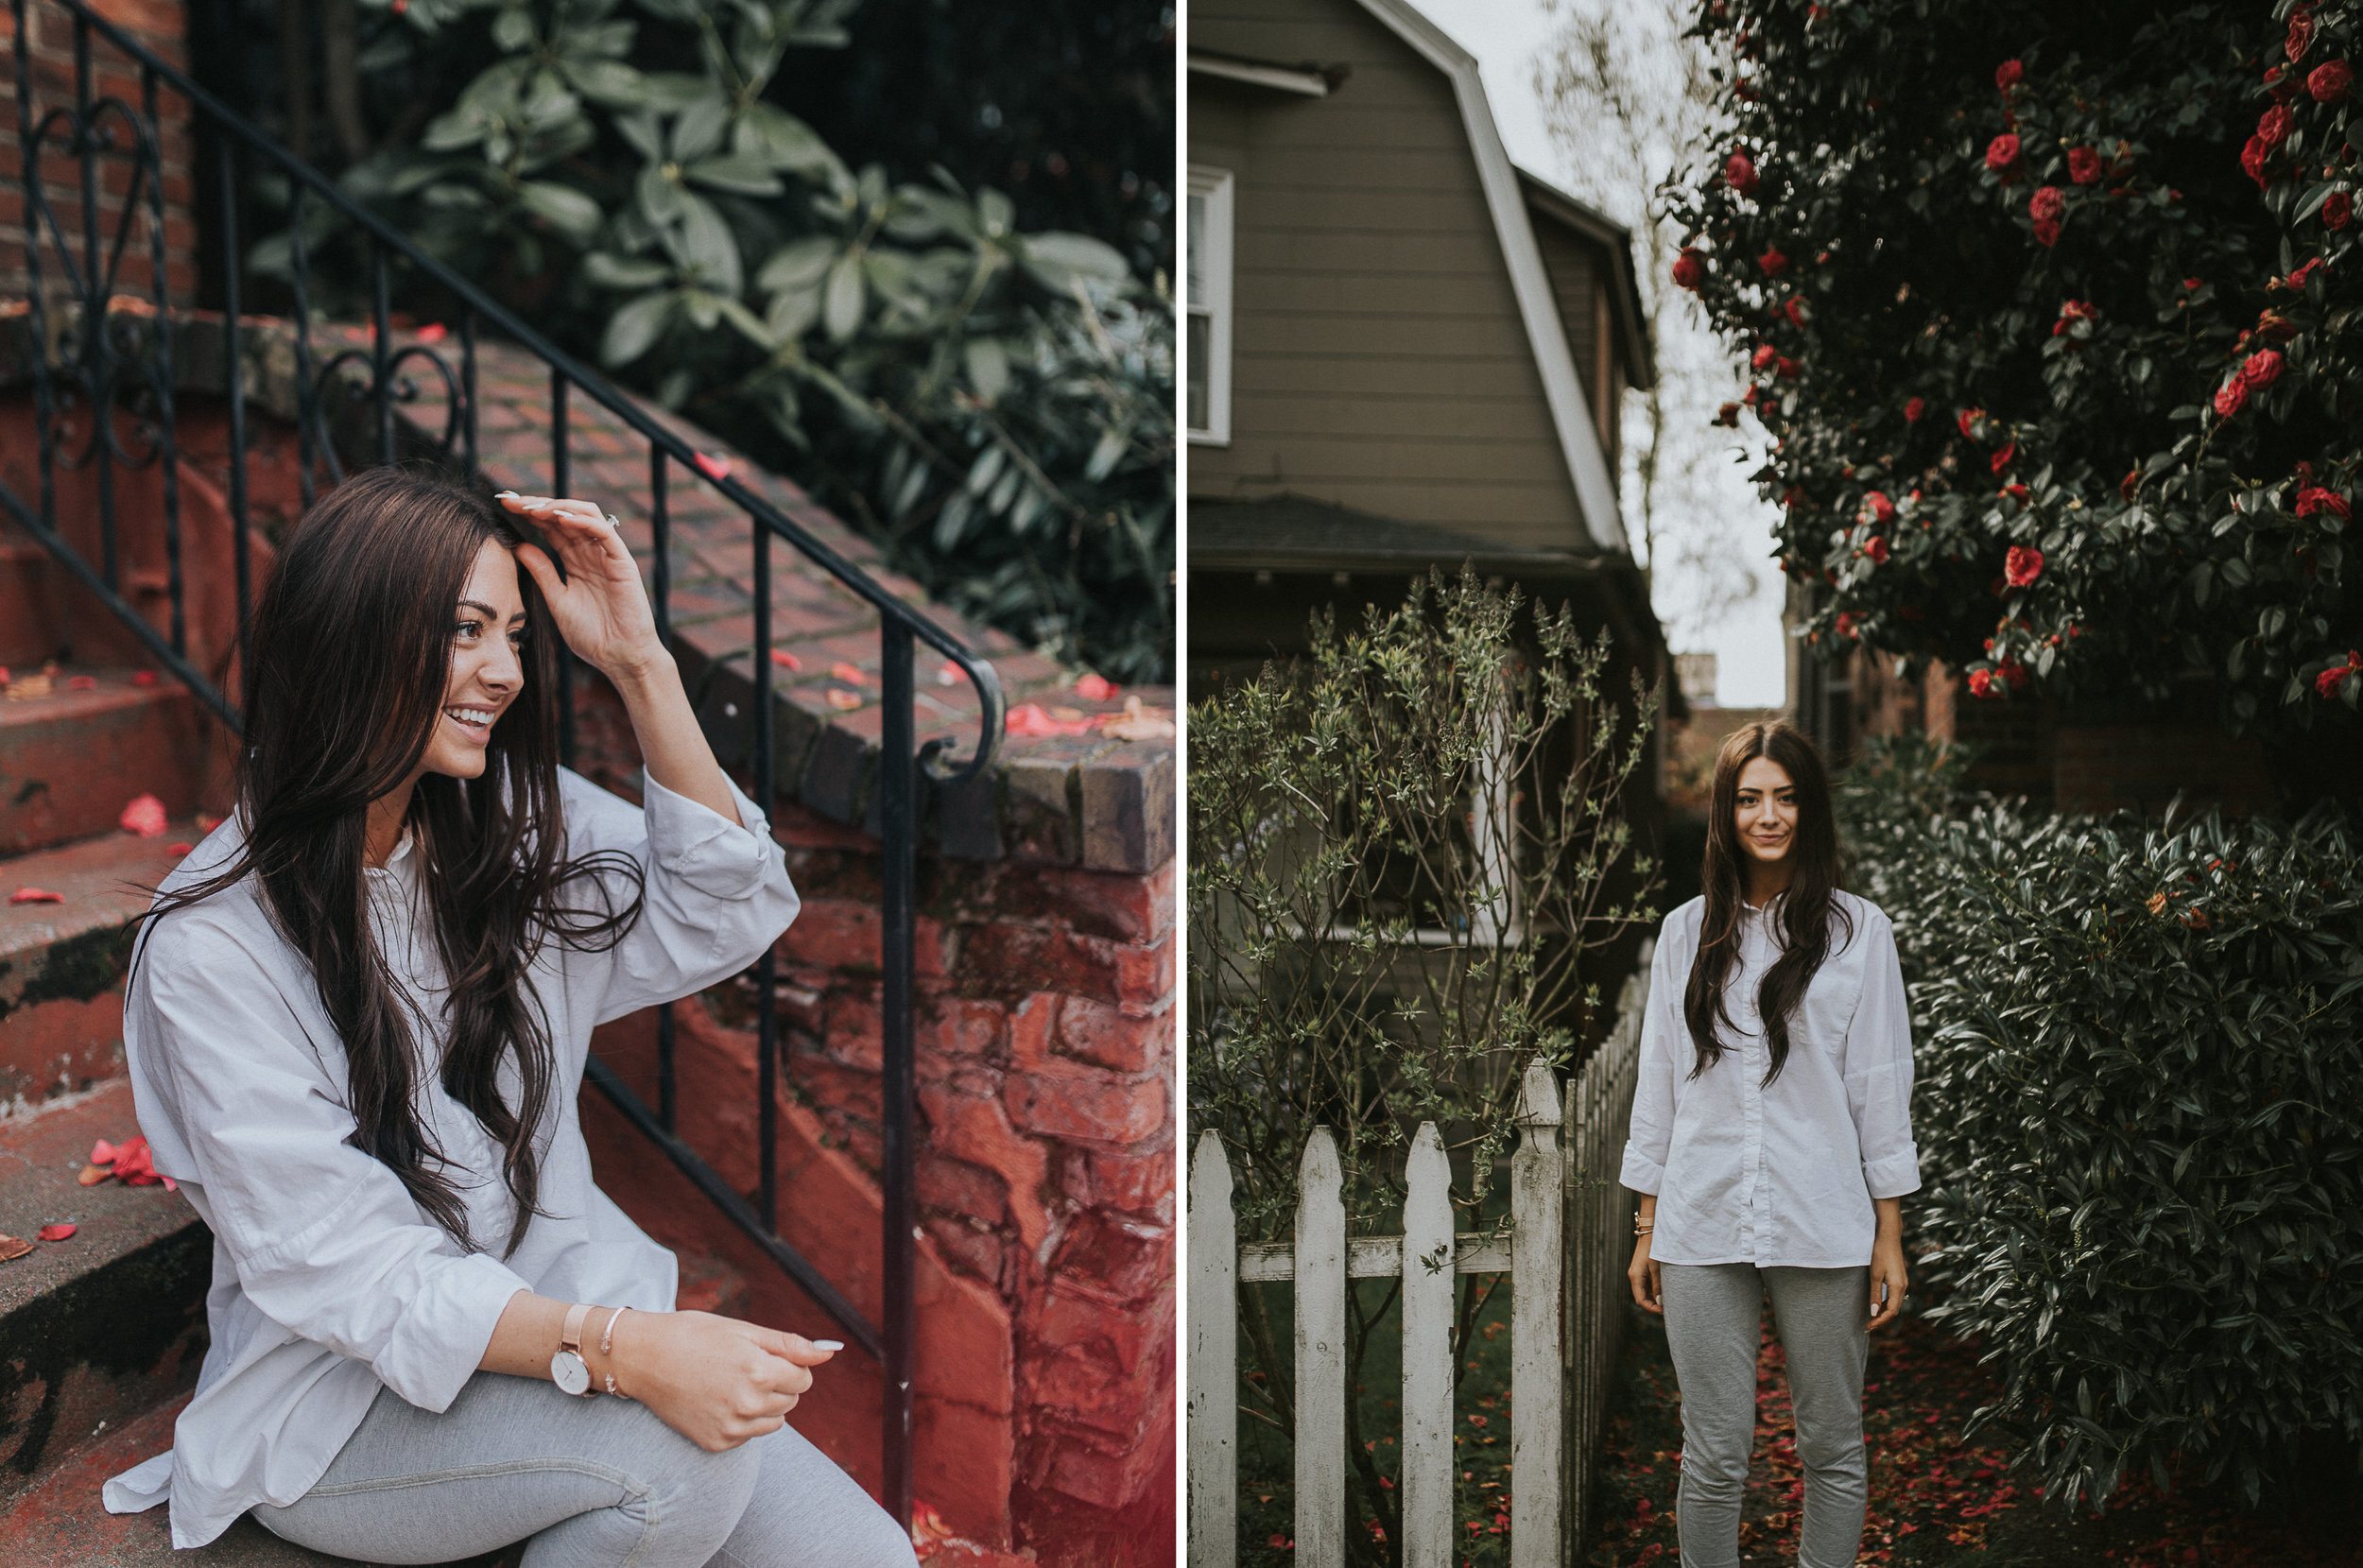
[(994, 406), (2055, 321), (2138, 1048)]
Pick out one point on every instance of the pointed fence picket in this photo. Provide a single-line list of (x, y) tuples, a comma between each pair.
[(1566, 1254)]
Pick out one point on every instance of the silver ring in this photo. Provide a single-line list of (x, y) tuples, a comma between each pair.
[(610, 521)]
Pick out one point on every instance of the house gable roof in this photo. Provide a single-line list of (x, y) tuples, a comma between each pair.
[(1571, 412), (1632, 322)]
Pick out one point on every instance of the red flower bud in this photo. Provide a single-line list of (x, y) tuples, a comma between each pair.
[(1773, 263), (1795, 310), (2083, 165), (1846, 623), (2330, 80), (2002, 459), (1876, 548), (1784, 367), (1739, 172), (1913, 408), (1690, 270), (1875, 508), (2022, 566), (1980, 682), (1764, 355), (2301, 34), (2328, 683), (1968, 419)]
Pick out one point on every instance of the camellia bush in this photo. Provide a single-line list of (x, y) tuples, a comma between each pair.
[(2137, 1048), (2055, 321), (994, 406)]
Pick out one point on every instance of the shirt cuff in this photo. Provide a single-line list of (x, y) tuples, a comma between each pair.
[(695, 843), (1894, 1176), (441, 1339), (1641, 1173)]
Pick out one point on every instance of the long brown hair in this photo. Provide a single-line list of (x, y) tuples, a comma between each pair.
[(351, 659), (1805, 908)]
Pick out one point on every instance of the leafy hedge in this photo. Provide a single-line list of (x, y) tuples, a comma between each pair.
[(2056, 315), (2138, 1052)]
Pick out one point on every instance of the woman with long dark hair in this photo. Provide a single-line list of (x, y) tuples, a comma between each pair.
[(1771, 1144), (357, 1024)]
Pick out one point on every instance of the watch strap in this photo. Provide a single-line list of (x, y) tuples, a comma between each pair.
[(571, 1335)]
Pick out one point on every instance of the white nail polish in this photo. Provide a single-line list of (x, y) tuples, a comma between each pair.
[(828, 1344)]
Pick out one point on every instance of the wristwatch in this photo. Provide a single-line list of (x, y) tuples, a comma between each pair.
[(567, 1368)]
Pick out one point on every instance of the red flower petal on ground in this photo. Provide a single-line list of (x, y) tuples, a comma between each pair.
[(1096, 688), (2022, 566), (102, 1153), (55, 1232), (786, 660), (36, 895), (713, 466), (135, 1163), (434, 331), (144, 816), (142, 678)]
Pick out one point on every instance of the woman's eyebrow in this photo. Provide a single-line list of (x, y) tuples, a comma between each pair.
[(488, 610)]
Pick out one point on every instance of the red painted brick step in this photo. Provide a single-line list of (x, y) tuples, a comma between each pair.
[(72, 760)]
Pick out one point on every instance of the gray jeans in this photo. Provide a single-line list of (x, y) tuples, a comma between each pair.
[(1712, 1313), (597, 1482)]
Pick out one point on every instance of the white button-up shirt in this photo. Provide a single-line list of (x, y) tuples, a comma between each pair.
[(1784, 1174), (329, 1281)]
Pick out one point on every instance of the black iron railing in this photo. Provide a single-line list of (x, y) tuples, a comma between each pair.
[(115, 364)]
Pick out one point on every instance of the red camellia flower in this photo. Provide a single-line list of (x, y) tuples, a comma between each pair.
[(2015, 673), (2337, 209), (1875, 508), (1784, 367), (2083, 165), (2328, 683), (1690, 268), (1846, 623), (1764, 355), (2022, 566), (2001, 153), (2009, 74), (2047, 206), (2298, 279), (2230, 397), (1773, 263), (2330, 80), (1739, 172), (1967, 419), (2261, 370), (2002, 459), (1876, 548), (1913, 408), (2313, 499), (2301, 34), (1795, 310), (2278, 80), (1981, 682), (2253, 161), (2274, 127), (2075, 320), (2276, 326)]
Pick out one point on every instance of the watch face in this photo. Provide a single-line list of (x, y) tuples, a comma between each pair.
[(568, 1371)]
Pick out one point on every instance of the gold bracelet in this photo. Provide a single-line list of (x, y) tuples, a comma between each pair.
[(607, 1351)]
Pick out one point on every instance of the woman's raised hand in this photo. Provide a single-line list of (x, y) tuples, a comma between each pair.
[(715, 1381), (601, 609)]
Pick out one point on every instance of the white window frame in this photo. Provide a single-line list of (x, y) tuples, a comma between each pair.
[(1216, 187)]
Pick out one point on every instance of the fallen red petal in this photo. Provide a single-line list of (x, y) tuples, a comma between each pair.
[(850, 674), (102, 1153), (712, 466), (36, 895), (178, 849), (142, 678), (786, 660), (144, 816), (1095, 688), (81, 682), (55, 1232)]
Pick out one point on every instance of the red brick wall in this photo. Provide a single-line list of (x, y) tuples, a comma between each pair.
[(161, 25), (1047, 1110)]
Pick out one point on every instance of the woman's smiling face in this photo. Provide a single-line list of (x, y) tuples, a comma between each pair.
[(1767, 811), (486, 673)]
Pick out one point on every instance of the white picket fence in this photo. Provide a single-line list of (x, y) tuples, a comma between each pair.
[(1569, 1242)]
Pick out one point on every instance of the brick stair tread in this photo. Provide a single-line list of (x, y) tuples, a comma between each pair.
[(40, 1156), (70, 760), (104, 882), (63, 1522)]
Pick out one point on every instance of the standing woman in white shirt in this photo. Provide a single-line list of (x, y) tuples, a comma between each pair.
[(1771, 1144), (356, 1026)]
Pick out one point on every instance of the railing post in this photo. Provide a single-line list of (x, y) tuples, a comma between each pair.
[(308, 418), (561, 479), (1212, 1420), (1320, 1355), (381, 353), (1536, 1377), (160, 364), (899, 827), (98, 384), (44, 395), (1428, 1325), (234, 351)]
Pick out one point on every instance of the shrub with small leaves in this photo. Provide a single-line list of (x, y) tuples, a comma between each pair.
[(2138, 1048)]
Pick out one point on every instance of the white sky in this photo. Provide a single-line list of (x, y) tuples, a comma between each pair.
[(1507, 37)]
